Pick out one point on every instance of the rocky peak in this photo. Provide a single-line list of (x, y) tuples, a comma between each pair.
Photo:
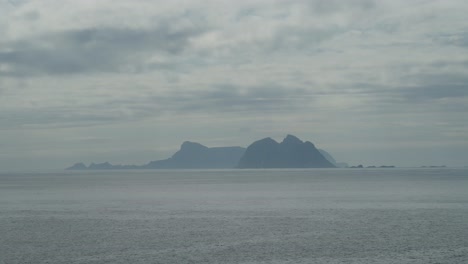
[(291, 140), (187, 145)]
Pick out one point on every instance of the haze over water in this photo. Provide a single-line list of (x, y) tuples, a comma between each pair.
[(235, 216)]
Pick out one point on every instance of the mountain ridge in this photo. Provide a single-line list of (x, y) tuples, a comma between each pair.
[(291, 152)]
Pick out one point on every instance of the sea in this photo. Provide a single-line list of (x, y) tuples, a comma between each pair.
[(375, 216)]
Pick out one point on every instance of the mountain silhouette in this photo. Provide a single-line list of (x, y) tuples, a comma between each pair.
[(196, 156), (290, 153), (265, 153)]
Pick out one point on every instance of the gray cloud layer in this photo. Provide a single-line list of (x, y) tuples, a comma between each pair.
[(92, 50), (344, 73)]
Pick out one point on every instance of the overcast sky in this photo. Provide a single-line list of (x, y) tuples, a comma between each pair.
[(372, 82)]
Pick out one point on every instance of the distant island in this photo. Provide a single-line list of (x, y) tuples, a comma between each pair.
[(290, 153), (191, 155), (196, 156), (265, 153), (372, 167)]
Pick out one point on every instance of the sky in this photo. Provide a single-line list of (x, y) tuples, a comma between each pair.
[(373, 82)]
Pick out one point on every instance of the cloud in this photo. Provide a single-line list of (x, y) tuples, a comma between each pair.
[(93, 50), (382, 71), (229, 98), (459, 38), (224, 99)]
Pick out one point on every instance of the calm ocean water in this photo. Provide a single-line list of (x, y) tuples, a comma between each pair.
[(236, 216)]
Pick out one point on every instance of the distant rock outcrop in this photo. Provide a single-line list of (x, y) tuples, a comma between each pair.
[(290, 153), (265, 153), (77, 166), (196, 156), (190, 156), (101, 166)]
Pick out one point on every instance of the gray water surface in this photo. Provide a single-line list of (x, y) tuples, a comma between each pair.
[(235, 216)]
